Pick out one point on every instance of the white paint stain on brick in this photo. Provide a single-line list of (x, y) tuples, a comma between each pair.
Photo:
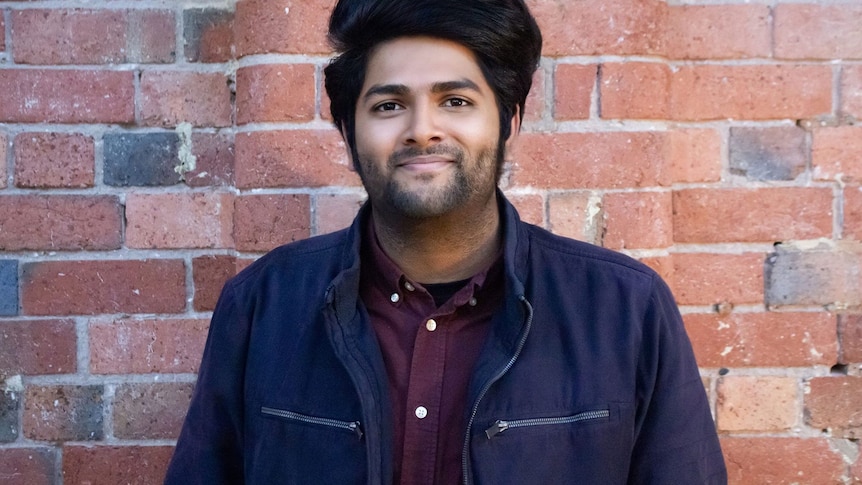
[(188, 161)]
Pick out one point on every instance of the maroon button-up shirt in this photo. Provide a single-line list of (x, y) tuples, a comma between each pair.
[(429, 353)]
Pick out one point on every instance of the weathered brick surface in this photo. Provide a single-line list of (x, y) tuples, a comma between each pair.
[(294, 158), (63, 413), (263, 222), (531, 208), (129, 346), (10, 404), (756, 403), (850, 338), (3, 29), (781, 460), (771, 339), (635, 90), (60, 222), (48, 160), (853, 212), (199, 220), (574, 84), (637, 220), (214, 160), (334, 212), (8, 287), (210, 274), (208, 34), (835, 153), (150, 411), (718, 31), (31, 466), (4, 148), (695, 155), (131, 465), (66, 96), (810, 31), (816, 277), (768, 153), (833, 403), (749, 215), (288, 26), (851, 90), (152, 37), (68, 36), (91, 287), (590, 160), (141, 159), (169, 98), (755, 92), (534, 108), (577, 215), (275, 92), (34, 347), (708, 279)]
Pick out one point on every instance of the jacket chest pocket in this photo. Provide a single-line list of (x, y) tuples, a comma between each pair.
[(502, 425), (354, 427)]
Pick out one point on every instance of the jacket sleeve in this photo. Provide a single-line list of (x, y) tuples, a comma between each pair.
[(675, 437), (209, 449)]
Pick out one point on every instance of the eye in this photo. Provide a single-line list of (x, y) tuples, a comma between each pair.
[(387, 106), (456, 102)]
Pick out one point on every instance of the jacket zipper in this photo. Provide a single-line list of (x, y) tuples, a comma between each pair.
[(352, 426), (502, 425), (466, 450)]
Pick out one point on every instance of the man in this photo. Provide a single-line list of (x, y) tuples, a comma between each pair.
[(439, 339)]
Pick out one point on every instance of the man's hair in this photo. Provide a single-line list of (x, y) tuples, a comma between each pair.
[(502, 34)]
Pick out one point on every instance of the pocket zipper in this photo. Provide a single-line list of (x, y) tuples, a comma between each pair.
[(352, 426), (502, 425)]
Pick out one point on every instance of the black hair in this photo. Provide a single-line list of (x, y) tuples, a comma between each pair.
[(502, 34)]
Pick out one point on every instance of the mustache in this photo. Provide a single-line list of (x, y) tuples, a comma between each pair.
[(412, 152)]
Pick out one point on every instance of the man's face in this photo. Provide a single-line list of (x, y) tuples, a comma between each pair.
[(427, 128)]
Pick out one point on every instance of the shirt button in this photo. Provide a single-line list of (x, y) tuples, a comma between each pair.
[(421, 412), (394, 297), (431, 325), (409, 286), (472, 302)]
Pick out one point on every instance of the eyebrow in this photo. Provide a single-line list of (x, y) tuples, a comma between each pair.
[(401, 89)]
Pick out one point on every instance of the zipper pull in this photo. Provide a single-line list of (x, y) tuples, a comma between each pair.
[(496, 428), (356, 428)]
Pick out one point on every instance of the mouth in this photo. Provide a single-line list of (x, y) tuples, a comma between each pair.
[(425, 163)]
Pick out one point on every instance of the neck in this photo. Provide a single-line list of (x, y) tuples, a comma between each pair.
[(442, 249)]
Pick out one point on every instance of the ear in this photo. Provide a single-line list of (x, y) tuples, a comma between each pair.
[(351, 163), (515, 127)]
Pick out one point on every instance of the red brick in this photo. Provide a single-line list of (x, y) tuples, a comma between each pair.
[(215, 159), (47, 160), (292, 158), (150, 411), (771, 339), (577, 215), (63, 413), (181, 220), (767, 460), (30, 466), (275, 92), (287, 26), (36, 347), (635, 220), (129, 465), (534, 109), (68, 36), (635, 90), (853, 212), (718, 31), (835, 152), (263, 222), (127, 346), (573, 93), (850, 336), (590, 160), (756, 403), (4, 145), (169, 98), (66, 96), (336, 211), (663, 265), (707, 279), (695, 155), (152, 36), (530, 207), (751, 215), (208, 34), (818, 31), (210, 274), (813, 277), (851, 90), (856, 472), (60, 222), (833, 403), (2, 29), (597, 27), (773, 153), (751, 92), (91, 287)]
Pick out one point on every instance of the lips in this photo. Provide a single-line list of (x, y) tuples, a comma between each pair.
[(425, 163)]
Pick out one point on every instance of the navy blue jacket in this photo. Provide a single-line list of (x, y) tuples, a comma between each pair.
[(587, 375)]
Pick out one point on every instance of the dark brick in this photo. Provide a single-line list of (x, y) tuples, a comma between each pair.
[(768, 153), (141, 159), (210, 274), (8, 287), (63, 413), (208, 34), (30, 466), (215, 160), (151, 411), (10, 401), (794, 277)]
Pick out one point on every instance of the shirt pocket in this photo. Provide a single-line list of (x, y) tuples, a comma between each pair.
[(354, 427)]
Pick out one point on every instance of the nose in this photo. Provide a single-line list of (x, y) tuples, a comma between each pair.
[(424, 128)]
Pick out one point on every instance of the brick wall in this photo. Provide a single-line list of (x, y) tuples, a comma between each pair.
[(151, 149)]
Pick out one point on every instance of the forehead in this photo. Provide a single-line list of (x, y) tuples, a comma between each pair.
[(421, 62)]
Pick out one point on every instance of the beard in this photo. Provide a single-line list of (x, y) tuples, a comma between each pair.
[(425, 201)]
